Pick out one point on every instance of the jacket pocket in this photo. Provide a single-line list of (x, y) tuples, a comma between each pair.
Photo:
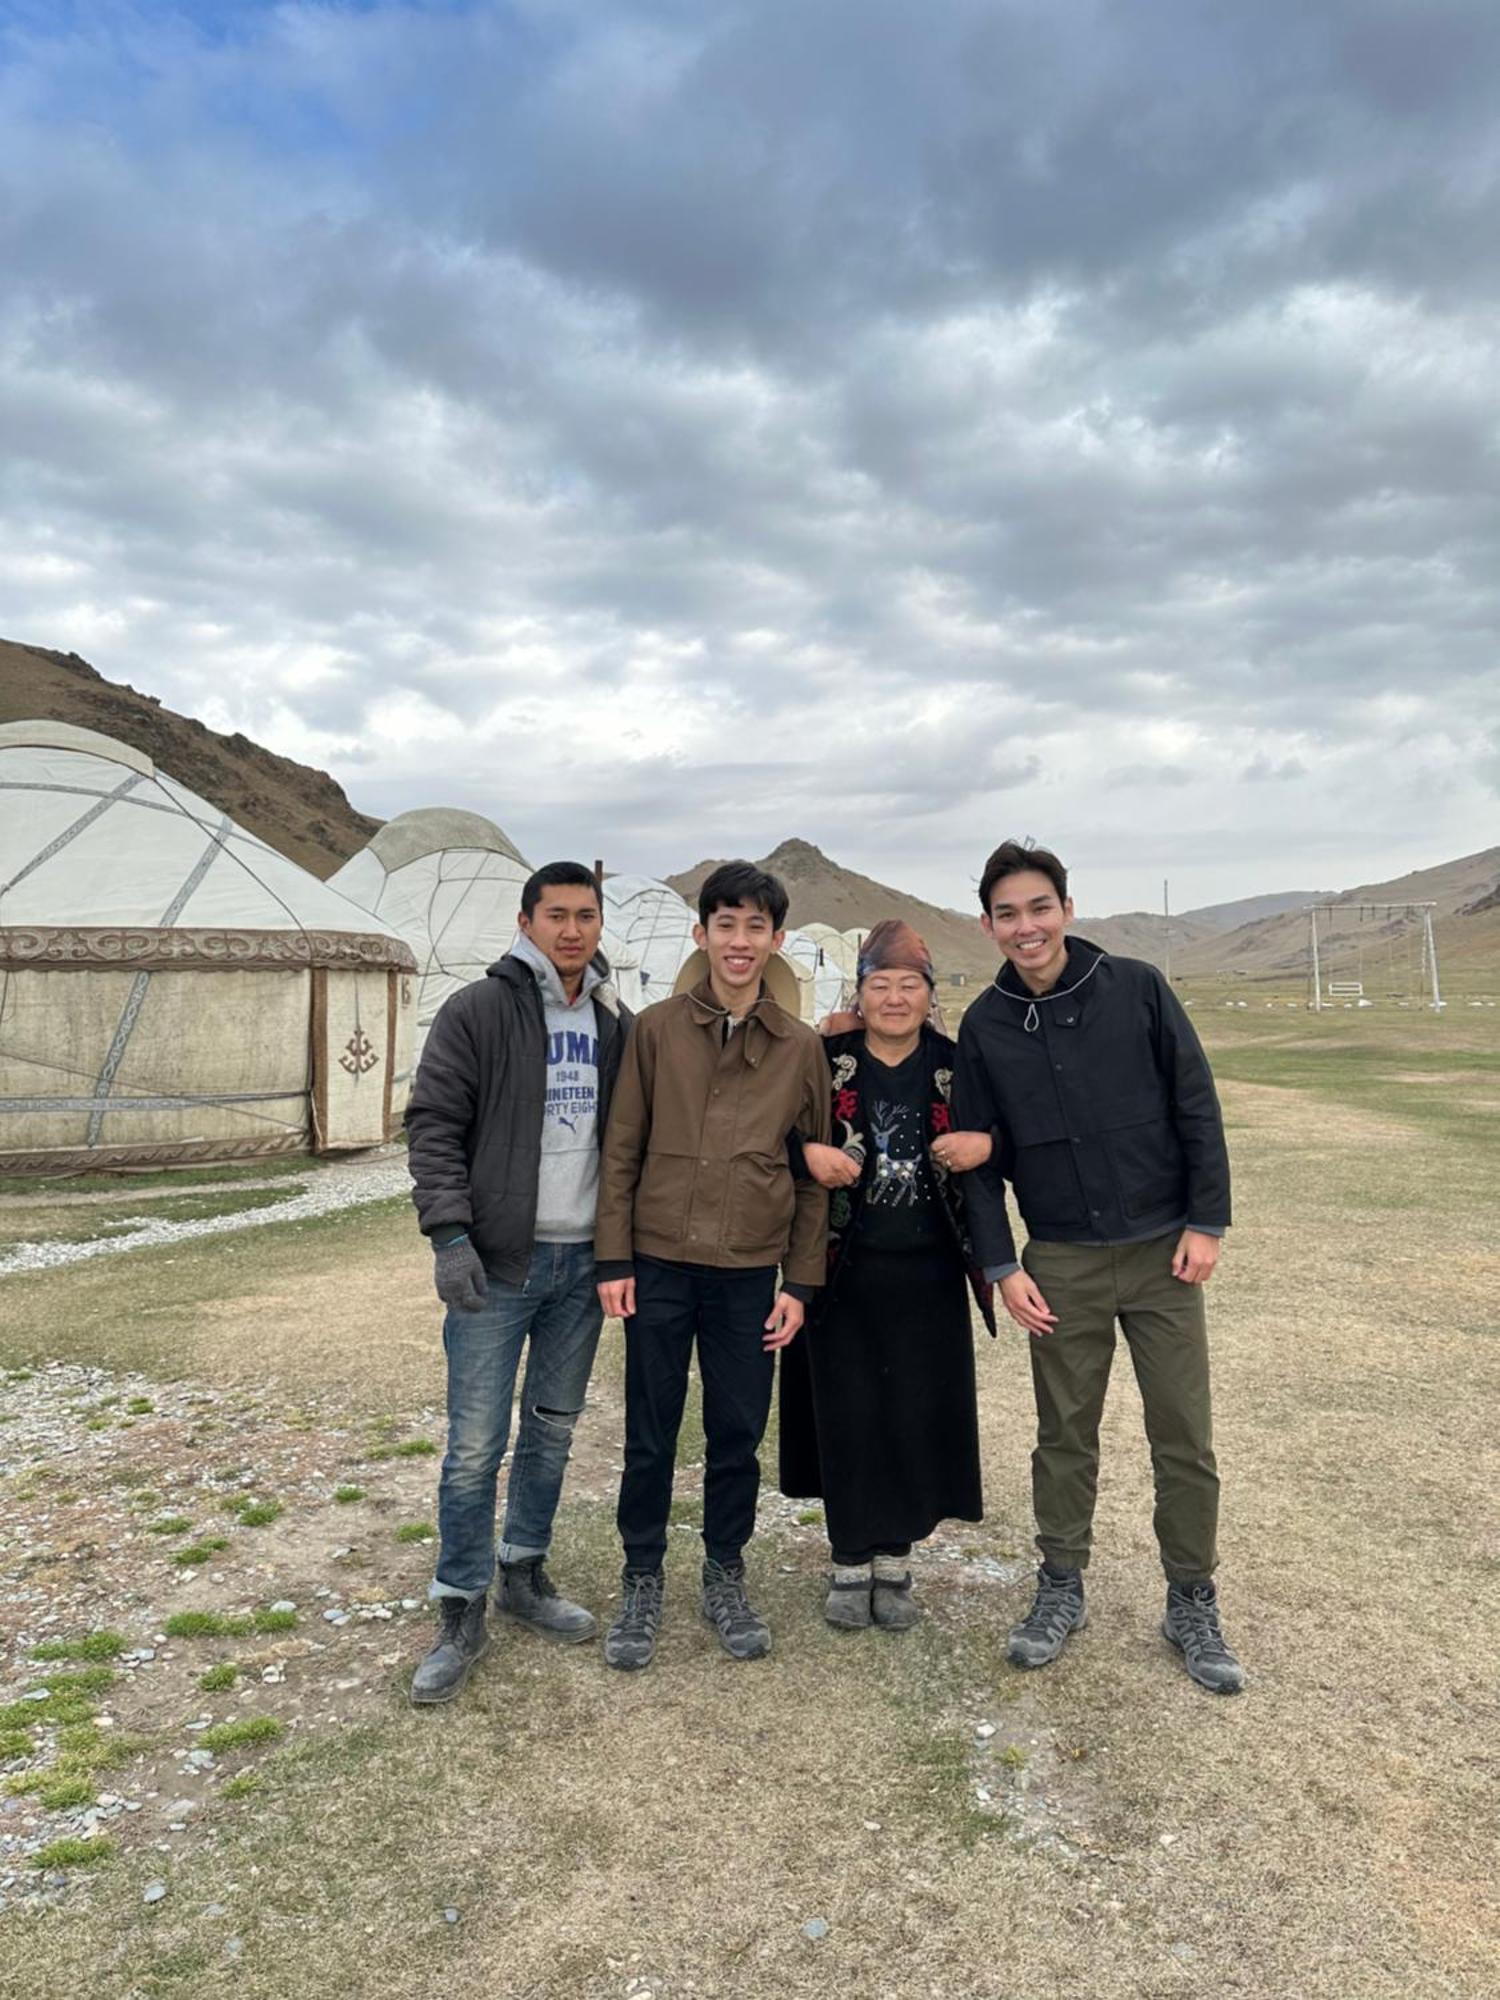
[(1047, 1185), (661, 1199), (758, 1215), (1148, 1167)]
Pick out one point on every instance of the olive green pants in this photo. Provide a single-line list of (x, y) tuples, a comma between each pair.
[(1090, 1289)]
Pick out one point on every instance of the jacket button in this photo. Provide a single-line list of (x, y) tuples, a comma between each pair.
[(1078, 1142), (1057, 1065), (703, 1163)]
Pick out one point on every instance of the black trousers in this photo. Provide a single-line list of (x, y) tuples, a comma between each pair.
[(725, 1313)]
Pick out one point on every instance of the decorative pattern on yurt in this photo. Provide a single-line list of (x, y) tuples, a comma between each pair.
[(171, 987)]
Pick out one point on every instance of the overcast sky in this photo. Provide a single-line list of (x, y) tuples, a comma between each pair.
[(669, 427)]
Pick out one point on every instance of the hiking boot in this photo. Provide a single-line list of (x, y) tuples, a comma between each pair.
[(742, 1634), (1192, 1625), (847, 1604), (529, 1595), (462, 1639), (892, 1603), (1056, 1610), (630, 1642)]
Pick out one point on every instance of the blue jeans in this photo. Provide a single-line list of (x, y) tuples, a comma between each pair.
[(558, 1308)]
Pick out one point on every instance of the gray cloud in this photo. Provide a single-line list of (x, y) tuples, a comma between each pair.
[(696, 424)]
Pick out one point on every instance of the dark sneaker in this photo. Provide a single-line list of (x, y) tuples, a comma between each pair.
[(742, 1634), (630, 1642), (1056, 1610), (893, 1605), (1192, 1625), (529, 1595), (462, 1639), (847, 1604)]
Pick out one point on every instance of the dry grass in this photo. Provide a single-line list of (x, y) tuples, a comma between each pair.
[(1329, 1834)]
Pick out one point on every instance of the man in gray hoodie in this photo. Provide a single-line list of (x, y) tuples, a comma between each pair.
[(504, 1127)]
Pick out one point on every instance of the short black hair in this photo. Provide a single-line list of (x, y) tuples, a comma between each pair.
[(558, 875), (735, 882), (1014, 857)]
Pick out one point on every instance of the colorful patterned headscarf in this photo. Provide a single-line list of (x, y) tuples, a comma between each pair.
[(893, 946)]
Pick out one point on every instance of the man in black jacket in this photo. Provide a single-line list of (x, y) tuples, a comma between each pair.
[(504, 1128), (1088, 1072)]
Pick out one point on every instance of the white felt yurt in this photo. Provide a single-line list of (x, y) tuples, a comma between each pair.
[(450, 883), (171, 987), (650, 928), (837, 972)]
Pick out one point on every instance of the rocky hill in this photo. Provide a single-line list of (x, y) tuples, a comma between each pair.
[(296, 809), (823, 892)]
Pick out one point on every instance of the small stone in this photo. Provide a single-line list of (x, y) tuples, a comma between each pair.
[(1183, 1951), (984, 1731), (815, 1928), (872, 1826), (215, 1910), (233, 1947), (1167, 1839), (154, 1892), (450, 1916), (283, 1604), (411, 1604)]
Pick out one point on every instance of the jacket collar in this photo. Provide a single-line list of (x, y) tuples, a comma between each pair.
[(519, 968), (1082, 961), (706, 1010)]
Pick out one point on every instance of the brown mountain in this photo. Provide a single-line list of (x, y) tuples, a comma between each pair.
[(824, 893), (298, 810)]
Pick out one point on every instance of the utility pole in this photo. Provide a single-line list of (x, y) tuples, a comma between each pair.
[(1166, 910), (1317, 976), (1429, 947)]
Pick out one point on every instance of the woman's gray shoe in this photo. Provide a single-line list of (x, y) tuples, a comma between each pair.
[(462, 1639), (893, 1605), (529, 1595), (742, 1633), (1192, 1625), (1056, 1610), (630, 1642), (847, 1604)]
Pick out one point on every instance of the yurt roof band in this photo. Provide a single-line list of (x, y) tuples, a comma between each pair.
[(171, 948)]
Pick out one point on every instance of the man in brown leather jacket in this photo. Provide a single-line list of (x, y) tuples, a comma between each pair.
[(697, 1210)]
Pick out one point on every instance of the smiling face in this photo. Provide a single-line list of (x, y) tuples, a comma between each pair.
[(739, 939), (566, 926), (894, 1002), (1029, 926)]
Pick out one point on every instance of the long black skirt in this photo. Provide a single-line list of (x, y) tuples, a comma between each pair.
[(878, 1415)]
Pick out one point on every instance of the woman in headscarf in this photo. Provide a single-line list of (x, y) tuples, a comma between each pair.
[(878, 1415)]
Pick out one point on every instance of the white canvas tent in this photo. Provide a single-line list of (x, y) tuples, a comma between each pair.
[(450, 883), (171, 987), (838, 966), (648, 936)]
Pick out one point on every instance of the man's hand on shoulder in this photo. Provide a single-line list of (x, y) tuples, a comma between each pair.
[(617, 1296), (1195, 1257), (459, 1275), (785, 1322)]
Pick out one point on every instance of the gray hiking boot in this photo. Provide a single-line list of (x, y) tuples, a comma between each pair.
[(742, 1634), (529, 1595), (1192, 1625), (630, 1642), (893, 1604), (1056, 1610), (462, 1639), (847, 1604)]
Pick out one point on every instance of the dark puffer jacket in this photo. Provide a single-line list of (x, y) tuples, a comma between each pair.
[(474, 1123)]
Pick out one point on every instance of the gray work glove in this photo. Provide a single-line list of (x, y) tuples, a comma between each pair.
[(459, 1275)]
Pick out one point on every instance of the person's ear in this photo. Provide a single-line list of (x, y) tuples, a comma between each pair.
[(700, 937)]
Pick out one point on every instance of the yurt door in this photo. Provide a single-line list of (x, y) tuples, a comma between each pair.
[(354, 1019)]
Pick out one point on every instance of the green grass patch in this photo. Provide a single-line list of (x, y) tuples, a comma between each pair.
[(199, 1552), (62, 1790), (260, 1513), (218, 1678), (415, 1531), (73, 1853), (237, 1735), (416, 1448), (206, 1625), (86, 1680), (242, 1786), (14, 1743), (57, 1708), (275, 1621), (140, 1406), (169, 1524), (100, 1645), (345, 1496)]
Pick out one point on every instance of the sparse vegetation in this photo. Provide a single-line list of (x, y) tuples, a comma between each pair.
[(99, 1645), (199, 1552), (415, 1531), (74, 1853), (170, 1524), (218, 1678), (416, 1448), (345, 1496), (237, 1735), (260, 1513), (240, 1786)]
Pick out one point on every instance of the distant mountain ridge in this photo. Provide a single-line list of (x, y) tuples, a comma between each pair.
[(298, 810)]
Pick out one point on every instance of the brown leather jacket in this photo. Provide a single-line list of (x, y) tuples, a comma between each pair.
[(694, 1168)]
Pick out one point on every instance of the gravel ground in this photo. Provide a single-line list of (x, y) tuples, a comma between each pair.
[(331, 1188)]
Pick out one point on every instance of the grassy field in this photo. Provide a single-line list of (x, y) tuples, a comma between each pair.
[(1103, 1830)]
